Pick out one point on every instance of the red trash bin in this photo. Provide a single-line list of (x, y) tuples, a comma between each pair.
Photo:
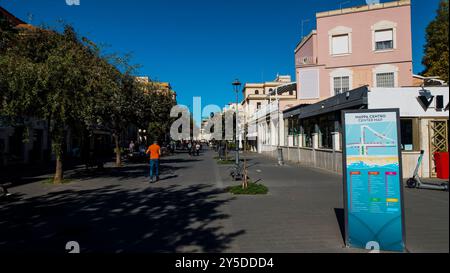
[(441, 161)]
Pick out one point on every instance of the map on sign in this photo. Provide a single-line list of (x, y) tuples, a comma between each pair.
[(373, 180)]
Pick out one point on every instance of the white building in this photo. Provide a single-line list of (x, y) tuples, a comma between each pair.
[(258, 98)]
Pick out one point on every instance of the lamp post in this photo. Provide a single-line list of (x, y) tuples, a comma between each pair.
[(145, 136), (280, 150), (139, 137), (237, 85)]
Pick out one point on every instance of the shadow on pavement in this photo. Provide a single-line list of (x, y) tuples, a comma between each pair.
[(124, 173), (179, 160), (340, 217), (114, 220)]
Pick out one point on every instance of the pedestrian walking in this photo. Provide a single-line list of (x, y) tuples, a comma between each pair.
[(197, 149), (189, 146), (155, 153), (131, 147)]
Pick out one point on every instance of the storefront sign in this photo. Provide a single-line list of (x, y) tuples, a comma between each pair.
[(373, 179)]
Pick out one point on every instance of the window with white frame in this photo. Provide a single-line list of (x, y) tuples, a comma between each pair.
[(341, 84), (340, 44), (385, 76), (384, 35), (340, 81), (384, 39), (385, 79)]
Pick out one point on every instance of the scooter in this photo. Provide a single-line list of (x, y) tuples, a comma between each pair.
[(415, 182)]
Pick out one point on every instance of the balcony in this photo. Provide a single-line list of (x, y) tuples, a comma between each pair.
[(257, 96)]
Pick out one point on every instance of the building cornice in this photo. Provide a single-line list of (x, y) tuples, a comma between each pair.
[(363, 8)]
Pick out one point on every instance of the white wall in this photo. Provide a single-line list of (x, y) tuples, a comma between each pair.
[(308, 83), (406, 98)]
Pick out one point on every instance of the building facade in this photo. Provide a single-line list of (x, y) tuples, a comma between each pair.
[(424, 116), (353, 47), (355, 59), (259, 99)]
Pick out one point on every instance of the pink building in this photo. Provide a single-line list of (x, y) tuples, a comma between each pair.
[(367, 45)]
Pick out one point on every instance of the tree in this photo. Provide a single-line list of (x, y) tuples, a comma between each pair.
[(64, 79), (436, 48), (119, 106), (7, 32), (155, 115), (55, 77)]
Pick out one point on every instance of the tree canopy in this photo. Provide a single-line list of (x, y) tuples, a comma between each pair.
[(63, 78), (436, 48)]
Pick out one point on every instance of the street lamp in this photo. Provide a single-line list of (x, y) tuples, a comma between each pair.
[(236, 85), (280, 150), (277, 101)]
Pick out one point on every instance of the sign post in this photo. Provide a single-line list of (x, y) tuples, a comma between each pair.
[(372, 168)]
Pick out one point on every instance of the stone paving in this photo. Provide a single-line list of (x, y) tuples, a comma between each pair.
[(117, 210)]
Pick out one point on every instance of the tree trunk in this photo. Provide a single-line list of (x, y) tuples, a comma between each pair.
[(59, 169), (226, 151), (118, 153), (57, 147)]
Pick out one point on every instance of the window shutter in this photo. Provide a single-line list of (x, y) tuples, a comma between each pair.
[(340, 44), (384, 35)]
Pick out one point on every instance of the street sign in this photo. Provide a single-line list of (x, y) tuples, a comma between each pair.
[(372, 168)]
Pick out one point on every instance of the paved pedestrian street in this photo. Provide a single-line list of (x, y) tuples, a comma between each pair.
[(188, 210)]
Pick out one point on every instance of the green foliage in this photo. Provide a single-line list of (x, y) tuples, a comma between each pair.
[(53, 77), (156, 116), (252, 189), (7, 33), (436, 59), (64, 79), (226, 162)]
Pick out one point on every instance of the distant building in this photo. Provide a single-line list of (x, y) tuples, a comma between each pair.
[(258, 101), (158, 87), (256, 95), (427, 81)]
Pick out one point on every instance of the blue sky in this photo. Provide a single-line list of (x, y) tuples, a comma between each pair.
[(201, 46)]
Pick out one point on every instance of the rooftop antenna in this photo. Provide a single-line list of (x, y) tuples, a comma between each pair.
[(303, 24), (30, 17)]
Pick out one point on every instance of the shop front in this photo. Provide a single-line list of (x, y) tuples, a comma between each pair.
[(313, 132), (424, 122)]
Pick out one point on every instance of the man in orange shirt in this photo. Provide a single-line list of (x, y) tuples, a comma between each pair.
[(155, 153)]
